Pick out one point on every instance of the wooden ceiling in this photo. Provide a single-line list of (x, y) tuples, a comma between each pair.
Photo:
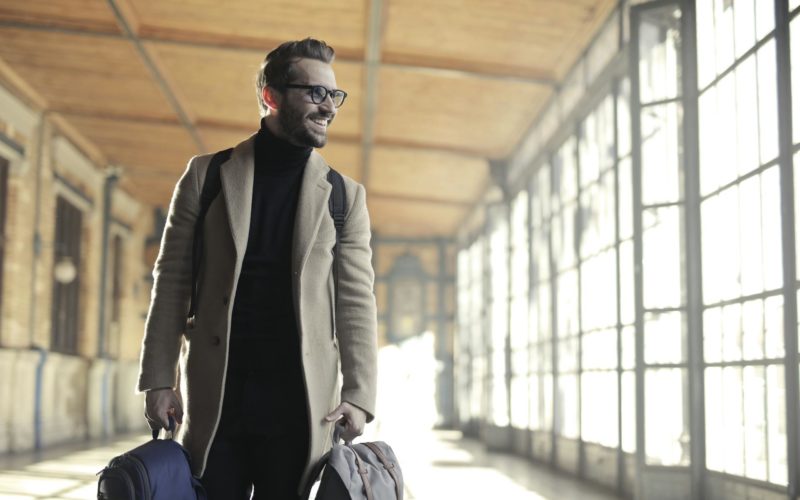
[(436, 89)]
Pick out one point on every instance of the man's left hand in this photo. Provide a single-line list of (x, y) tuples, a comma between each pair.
[(353, 420)]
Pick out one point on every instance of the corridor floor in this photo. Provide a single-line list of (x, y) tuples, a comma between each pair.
[(437, 465)]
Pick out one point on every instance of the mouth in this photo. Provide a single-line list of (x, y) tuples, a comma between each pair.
[(320, 124)]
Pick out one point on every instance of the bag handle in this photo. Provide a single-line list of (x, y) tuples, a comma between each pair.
[(171, 428)]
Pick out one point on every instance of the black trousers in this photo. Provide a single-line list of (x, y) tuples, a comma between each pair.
[(268, 466)]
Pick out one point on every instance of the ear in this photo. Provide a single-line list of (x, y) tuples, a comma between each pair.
[(272, 97)]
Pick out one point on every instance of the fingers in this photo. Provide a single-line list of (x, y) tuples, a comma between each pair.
[(336, 414)]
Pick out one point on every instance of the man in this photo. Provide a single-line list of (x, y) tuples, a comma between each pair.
[(259, 375)]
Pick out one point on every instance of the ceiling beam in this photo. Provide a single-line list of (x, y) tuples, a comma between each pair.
[(429, 68), (154, 67), (378, 195), (372, 61)]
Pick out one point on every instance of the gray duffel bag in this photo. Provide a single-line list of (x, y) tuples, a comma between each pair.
[(363, 471)]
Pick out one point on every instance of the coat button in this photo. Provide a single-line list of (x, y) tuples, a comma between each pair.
[(225, 300), (215, 340)]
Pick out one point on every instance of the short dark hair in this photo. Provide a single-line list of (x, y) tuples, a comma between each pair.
[(278, 67)]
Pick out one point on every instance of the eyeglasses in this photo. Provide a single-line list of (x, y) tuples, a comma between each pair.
[(319, 93)]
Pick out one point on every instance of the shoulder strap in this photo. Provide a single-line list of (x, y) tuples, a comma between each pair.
[(211, 188), (337, 204)]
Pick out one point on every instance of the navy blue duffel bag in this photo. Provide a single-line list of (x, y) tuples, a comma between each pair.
[(156, 470)]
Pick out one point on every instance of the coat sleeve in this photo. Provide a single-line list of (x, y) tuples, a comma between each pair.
[(356, 313), (171, 292)]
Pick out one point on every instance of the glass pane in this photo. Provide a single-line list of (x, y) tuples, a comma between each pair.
[(745, 25), (599, 350), (598, 291), (624, 119), (753, 329), (628, 347), (663, 338), (628, 412), (567, 304), (705, 42), (659, 54), (534, 404), (625, 199), (567, 423), (755, 423), (767, 101), (771, 242), (661, 160), (666, 427), (712, 335), (714, 414), (773, 327), (568, 355), (717, 115), (720, 246), (723, 30), (746, 116), (751, 270), (626, 293), (732, 332), (662, 258), (765, 18), (499, 414), (776, 424), (519, 402), (599, 408)]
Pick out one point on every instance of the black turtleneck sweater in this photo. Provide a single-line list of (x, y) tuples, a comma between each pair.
[(264, 371)]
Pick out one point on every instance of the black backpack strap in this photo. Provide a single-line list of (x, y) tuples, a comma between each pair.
[(211, 188), (337, 204)]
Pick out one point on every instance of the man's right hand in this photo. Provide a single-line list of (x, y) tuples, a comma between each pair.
[(159, 404)]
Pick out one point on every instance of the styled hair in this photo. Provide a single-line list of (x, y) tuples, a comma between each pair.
[(278, 67)]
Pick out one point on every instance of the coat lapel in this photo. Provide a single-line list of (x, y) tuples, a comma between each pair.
[(237, 188), (311, 206)]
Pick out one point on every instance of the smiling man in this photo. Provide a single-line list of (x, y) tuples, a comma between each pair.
[(257, 393)]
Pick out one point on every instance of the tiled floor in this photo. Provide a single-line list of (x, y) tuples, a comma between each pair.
[(437, 465)]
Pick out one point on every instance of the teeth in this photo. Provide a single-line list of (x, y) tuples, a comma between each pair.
[(322, 123)]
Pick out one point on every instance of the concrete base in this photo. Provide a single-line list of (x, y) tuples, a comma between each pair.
[(77, 399)]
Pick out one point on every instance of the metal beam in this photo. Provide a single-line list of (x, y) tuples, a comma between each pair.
[(788, 240), (372, 60), (156, 73)]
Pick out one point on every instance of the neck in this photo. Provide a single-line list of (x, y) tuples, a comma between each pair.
[(271, 123)]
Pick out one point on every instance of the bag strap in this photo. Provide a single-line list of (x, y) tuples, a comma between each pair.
[(211, 187), (363, 472), (389, 466), (337, 205)]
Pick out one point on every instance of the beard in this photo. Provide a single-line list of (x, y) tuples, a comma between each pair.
[(297, 127)]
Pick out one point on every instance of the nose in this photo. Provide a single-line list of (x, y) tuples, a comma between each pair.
[(327, 105)]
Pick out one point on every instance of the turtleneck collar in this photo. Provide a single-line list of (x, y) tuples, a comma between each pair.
[(278, 155)]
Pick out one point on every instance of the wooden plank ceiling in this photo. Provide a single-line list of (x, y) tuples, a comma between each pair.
[(437, 89)]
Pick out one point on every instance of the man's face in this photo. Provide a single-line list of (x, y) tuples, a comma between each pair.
[(302, 122)]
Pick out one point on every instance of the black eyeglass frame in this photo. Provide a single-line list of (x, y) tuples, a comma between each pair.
[(312, 93)]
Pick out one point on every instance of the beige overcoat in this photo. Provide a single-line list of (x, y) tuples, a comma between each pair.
[(340, 366)]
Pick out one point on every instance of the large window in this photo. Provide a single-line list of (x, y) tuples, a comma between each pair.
[(66, 292), (563, 231), (498, 300), (541, 318), (520, 285), (598, 277), (741, 240)]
